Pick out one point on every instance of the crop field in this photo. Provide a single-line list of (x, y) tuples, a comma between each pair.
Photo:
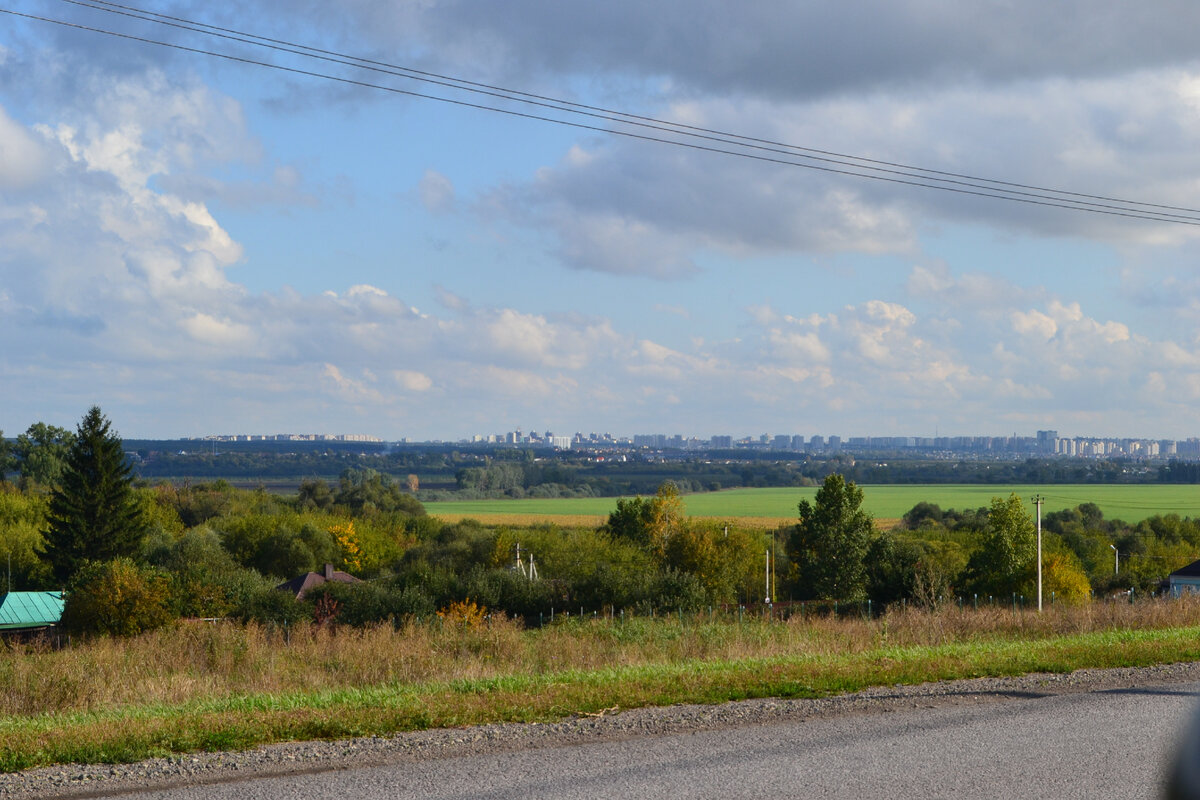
[(1128, 502)]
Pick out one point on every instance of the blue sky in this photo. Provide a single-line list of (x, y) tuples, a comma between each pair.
[(204, 247)]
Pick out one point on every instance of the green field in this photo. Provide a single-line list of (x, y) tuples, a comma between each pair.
[(1131, 503)]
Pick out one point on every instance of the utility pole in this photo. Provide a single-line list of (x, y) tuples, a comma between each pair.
[(774, 566), (1037, 499), (1116, 559), (768, 576)]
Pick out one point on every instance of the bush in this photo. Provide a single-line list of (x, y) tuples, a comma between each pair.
[(117, 598), (672, 590), (361, 604), (269, 606)]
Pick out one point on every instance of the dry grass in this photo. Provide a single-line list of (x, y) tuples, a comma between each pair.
[(200, 686), (195, 661)]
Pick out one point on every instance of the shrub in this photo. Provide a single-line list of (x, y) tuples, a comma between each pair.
[(269, 606), (117, 598), (362, 604)]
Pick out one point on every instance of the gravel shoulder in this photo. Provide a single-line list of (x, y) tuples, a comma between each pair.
[(104, 780)]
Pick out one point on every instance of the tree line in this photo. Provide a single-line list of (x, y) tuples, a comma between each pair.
[(451, 472), (133, 555)]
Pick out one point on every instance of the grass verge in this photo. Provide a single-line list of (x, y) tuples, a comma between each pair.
[(135, 731)]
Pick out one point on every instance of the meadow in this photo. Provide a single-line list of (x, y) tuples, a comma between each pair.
[(1129, 502), (204, 686)]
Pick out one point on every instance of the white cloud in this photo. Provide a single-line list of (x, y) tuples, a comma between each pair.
[(1034, 323), (437, 192), (209, 330), (352, 390), (413, 381), (23, 159)]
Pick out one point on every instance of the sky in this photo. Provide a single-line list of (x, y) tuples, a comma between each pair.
[(208, 246)]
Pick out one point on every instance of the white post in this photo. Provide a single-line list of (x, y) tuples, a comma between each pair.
[(768, 576), (774, 567), (1038, 501)]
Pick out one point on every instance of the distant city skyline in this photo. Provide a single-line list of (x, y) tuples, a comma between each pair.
[(1044, 442)]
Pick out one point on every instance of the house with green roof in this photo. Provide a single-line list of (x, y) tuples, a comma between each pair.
[(30, 611)]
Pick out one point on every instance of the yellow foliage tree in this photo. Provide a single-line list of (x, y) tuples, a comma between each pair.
[(348, 542), (1062, 575), (666, 516), (720, 557), (464, 614)]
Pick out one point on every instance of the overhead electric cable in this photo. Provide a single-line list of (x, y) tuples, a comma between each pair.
[(904, 175), (467, 85)]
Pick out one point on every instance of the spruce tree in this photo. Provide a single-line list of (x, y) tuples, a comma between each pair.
[(94, 515)]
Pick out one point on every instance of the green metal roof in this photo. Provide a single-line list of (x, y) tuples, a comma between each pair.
[(30, 609)]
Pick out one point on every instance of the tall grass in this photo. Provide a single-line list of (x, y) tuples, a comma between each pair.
[(195, 662)]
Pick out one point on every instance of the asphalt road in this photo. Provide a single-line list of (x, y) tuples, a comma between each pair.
[(1101, 744)]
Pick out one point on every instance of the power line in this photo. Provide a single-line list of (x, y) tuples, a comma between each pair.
[(760, 149), (513, 94)]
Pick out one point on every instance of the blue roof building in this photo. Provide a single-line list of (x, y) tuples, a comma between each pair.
[(20, 611)]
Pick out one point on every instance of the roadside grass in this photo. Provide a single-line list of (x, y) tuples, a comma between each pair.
[(200, 686)]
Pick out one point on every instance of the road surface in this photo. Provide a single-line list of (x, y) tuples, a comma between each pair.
[(1107, 743)]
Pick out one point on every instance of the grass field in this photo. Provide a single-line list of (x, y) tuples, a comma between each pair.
[(1131, 503), (203, 686)]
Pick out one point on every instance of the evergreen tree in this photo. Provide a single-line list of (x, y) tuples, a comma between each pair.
[(828, 547), (93, 515)]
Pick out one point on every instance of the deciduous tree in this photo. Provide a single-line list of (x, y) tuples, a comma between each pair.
[(42, 452), (118, 598), (1004, 564), (828, 546), (8, 461)]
